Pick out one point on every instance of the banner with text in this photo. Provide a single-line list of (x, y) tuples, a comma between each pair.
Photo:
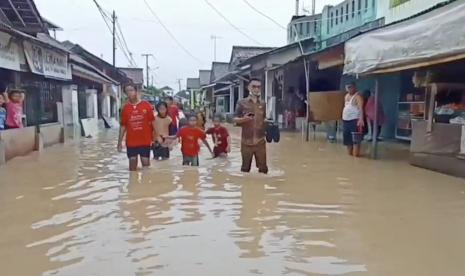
[(47, 62), (9, 53)]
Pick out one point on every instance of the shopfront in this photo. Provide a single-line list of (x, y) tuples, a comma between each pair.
[(431, 82), (41, 71)]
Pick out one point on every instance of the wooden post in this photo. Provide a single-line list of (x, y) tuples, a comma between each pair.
[(432, 100), (375, 123)]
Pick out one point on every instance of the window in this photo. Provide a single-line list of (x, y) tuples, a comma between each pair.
[(353, 8), (359, 6), (308, 28), (342, 14), (366, 5), (315, 29), (301, 29), (332, 22), (347, 11), (337, 16)]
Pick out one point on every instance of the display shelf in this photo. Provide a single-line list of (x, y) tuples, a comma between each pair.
[(422, 102)]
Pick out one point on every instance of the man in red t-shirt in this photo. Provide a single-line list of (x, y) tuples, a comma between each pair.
[(190, 148), (221, 138), (173, 112), (137, 124)]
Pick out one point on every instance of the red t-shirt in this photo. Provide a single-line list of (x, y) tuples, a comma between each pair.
[(220, 137), (138, 121), (190, 137), (173, 112)]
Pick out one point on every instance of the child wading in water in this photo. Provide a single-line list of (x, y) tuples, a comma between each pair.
[(161, 147), (190, 136), (221, 138)]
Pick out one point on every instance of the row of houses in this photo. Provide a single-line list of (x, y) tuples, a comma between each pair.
[(410, 54), (69, 91)]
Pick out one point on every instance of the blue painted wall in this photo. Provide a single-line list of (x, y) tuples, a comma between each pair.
[(390, 89)]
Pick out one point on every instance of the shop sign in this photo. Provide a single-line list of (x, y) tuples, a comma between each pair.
[(9, 53), (47, 62), (395, 3)]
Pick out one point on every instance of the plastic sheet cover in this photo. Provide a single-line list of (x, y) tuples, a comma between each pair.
[(434, 35)]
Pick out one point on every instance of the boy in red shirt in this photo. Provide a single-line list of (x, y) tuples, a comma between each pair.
[(221, 138), (190, 148), (137, 124)]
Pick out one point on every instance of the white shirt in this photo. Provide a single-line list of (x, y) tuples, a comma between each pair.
[(351, 110)]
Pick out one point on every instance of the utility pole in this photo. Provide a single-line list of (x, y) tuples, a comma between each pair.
[(313, 7), (297, 7), (113, 19), (180, 85), (147, 67), (214, 38)]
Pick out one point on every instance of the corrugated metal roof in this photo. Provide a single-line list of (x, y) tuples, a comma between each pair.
[(23, 15), (204, 76), (241, 53), (135, 74), (219, 69), (193, 83)]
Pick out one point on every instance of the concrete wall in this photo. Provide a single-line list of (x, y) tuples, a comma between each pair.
[(92, 103), (71, 111), (51, 134), (18, 142), (404, 10), (337, 19), (303, 28)]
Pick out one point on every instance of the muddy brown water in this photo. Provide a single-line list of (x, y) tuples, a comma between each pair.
[(75, 210)]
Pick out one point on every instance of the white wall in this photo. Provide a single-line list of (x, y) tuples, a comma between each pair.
[(92, 103), (403, 11)]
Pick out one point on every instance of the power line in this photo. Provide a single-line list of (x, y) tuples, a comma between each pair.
[(120, 40), (264, 14), (173, 37), (230, 23), (133, 62), (106, 18)]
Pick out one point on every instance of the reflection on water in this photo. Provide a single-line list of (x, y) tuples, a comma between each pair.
[(75, 210)]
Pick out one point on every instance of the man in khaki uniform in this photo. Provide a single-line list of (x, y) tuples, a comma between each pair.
[(250, 115)]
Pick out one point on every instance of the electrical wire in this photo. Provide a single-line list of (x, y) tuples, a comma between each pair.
[(118, 39), (133, 62), (264, 14), (173, 37), (230, 23)]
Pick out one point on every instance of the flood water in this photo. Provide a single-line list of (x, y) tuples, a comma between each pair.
[(75, 210)]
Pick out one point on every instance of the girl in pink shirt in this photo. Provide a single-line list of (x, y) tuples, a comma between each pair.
[(370, 114), (14, 109)]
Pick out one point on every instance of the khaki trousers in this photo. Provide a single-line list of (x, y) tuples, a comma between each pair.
[(259, 151)]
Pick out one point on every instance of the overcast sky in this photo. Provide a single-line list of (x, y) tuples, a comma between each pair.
[(191, 21)]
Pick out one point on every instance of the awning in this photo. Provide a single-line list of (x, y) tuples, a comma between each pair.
[(330, 57), (223, 91), (84, 73), (431, 38)]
